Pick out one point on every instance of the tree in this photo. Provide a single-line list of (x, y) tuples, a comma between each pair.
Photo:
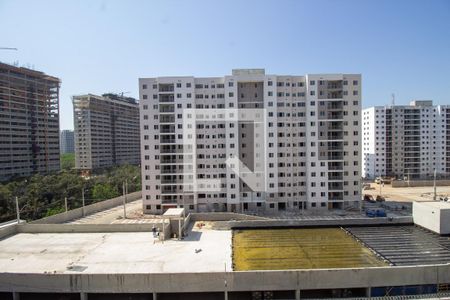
[(102, 191), (67, 161)]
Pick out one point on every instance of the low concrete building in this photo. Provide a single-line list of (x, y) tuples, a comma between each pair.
[(92, 262), (433, 215)]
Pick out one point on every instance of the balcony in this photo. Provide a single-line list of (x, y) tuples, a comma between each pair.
[(166, 119), (335, 196), (335, 166), (166, 98), (333, 126), (172, 169), (167, 129), (335, 156), (332, 115), (166, 108), (166, 87), (334, 135), (335, 186), (167, 139), (335, 176)]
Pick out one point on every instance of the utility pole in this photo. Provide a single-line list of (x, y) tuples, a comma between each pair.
[(381, 182), (82, 197), (124, 186), (65, 202), (17, 210), (434, 185)]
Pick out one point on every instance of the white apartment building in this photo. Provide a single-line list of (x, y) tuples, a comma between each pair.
[(406, 141), (298, 135)]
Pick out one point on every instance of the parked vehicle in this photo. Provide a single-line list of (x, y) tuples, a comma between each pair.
[(376, 213), (380, 199), (369, 198)]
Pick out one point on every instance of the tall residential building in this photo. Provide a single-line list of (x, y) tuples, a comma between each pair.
[(406, 141), (67, 141), (29, 122), (106, 131), (250, 141)]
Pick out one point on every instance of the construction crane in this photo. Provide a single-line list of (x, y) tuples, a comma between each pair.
[(8, 48)]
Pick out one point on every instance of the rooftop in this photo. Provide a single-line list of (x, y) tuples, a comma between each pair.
[(118, 252), (437, 204), (206, 249)]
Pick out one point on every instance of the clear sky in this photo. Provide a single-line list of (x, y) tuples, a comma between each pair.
[(400, 47)]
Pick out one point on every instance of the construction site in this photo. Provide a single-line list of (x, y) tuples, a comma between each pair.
[(29, 115), (103, 252)]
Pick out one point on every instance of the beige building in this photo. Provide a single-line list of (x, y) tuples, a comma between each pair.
[(106, 131), (301, 143)]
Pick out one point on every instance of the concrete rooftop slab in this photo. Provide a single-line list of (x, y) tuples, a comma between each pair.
[(132, 252)]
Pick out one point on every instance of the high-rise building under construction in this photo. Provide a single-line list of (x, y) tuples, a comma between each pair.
[(29, 122), (106, 131)]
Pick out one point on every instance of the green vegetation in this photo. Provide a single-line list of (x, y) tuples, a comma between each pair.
[(67, 161), (41, 196), (306, 248)]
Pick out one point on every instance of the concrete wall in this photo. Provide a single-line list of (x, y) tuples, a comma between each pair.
[(445, 221), (225, 225), (414, 183), (75, 228), (8, 230), (222, 216), (235, 281), (89, 209), (427, 216)]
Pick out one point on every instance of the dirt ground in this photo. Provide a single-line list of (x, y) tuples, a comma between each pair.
[(407, 194)]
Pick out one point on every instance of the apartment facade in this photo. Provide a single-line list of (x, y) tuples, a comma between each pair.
[(106, 131), (67, 141), (204, 139), (29, 122), (406, 141)]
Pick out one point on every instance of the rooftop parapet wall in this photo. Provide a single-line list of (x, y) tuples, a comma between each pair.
[(235, 281), (268, 223)]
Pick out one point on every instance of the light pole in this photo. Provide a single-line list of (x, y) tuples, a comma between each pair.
[(17, 210), (17, 204), (82, 198), (124, 199), (434, 186)]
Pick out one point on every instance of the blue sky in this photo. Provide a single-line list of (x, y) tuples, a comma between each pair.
[(400, 47)]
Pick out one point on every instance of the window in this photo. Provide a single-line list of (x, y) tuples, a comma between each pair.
[(178, 85), (144, 86)]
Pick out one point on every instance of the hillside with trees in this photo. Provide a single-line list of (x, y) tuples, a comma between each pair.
[(43, 195)]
